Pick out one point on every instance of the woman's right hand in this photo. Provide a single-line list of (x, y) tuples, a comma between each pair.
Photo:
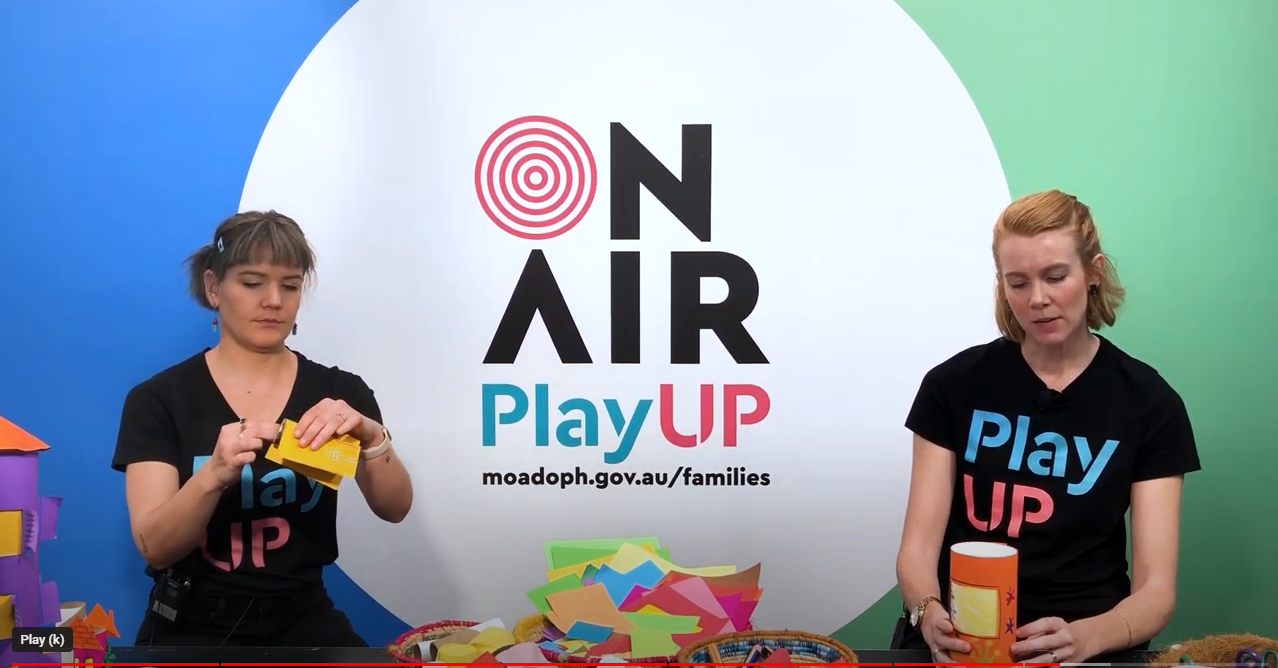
[(938, 632), (237, 446)]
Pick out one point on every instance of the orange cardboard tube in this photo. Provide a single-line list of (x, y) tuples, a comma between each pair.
[(983, 600)]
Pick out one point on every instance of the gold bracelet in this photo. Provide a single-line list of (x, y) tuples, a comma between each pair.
[(1129, 629)]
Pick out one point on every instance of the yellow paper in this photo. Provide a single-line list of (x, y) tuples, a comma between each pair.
[(580, 569), (630, 556), (336, 459), (10, 534), (6, 615)]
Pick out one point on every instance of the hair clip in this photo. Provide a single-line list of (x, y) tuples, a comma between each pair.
[(221, 247)]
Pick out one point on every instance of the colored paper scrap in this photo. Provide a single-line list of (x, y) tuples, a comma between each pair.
[(629, 555), (609, 545), (10, 533), (49, 506), (651, 643), (6, 615), (50, 611), (589, 632), (580, 569), (571, 555), (663, 622), (634, 595), (615, 644), (565, 583), (588, 604), (619, 584)]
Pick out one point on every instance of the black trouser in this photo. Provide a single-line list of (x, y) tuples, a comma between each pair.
[(306, 618)]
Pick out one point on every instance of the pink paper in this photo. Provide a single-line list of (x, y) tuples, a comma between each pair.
[(49, 506), (731, 607), (635, 594), (50, 605), (697, 591), (745, 610)]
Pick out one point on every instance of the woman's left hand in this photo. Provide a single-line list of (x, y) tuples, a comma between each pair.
[(1048, 640), (334, 417)]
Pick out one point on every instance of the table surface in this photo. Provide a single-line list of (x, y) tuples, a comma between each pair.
[(349, 655)]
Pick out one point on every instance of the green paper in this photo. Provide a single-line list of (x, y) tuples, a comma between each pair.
[(589, 573), (569, 555), (645, 643), (660, 621), (565, 583), (609, 544)]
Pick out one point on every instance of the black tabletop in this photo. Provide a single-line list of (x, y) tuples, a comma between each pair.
[(356, 655)]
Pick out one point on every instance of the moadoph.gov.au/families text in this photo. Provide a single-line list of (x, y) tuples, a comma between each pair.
[(686, 476)]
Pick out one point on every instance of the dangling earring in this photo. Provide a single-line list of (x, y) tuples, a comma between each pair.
[(1093, 289), (214, 323), (294, 329)]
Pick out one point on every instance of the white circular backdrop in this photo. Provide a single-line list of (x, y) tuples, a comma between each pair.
[(851, 170)]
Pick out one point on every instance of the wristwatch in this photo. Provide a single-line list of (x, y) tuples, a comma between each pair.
[(916, 615)]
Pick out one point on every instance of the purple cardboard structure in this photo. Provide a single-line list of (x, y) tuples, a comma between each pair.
[(26, 520)]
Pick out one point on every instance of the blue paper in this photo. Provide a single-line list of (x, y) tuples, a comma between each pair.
[(589, 632), (619, 585)]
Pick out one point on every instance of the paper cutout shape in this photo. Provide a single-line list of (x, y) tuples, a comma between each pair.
[(336, 459), (619, 584), (652, 642), (50, 611), (6, 616), (538, 595), (16, 439), (49, 506), (10, 533), (663, 622), (589, 632), (588, 604), (607, 546)]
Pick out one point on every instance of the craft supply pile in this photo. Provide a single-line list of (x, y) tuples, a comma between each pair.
[(628, 598)]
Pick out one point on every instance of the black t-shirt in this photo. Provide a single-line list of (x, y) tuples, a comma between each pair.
[(1051, 474), (275, 530)]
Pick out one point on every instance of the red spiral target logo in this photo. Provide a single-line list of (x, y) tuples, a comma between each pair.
[(535, 177)]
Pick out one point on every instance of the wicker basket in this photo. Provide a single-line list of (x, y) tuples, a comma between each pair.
[(405, 650), (1220, 649), (735, 647), (533, 629)]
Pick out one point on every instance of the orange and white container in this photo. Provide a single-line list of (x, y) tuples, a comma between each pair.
[(983, 579)]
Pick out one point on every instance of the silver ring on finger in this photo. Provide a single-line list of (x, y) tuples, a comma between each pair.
[(341, 417), (243, 422), (1053, 655)]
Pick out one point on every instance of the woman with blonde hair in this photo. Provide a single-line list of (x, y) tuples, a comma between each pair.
[(1058, 417)]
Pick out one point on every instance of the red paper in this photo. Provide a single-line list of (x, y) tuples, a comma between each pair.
[(486, 658), (615, 644), (781, 655)]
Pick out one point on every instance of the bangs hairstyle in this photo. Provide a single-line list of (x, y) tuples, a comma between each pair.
[(251, 237), (1047, 211)]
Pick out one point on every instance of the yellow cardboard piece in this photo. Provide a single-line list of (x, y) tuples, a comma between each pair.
[(6, 615), (631, 555), (10, 534), (580, 569), (336, 459)]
